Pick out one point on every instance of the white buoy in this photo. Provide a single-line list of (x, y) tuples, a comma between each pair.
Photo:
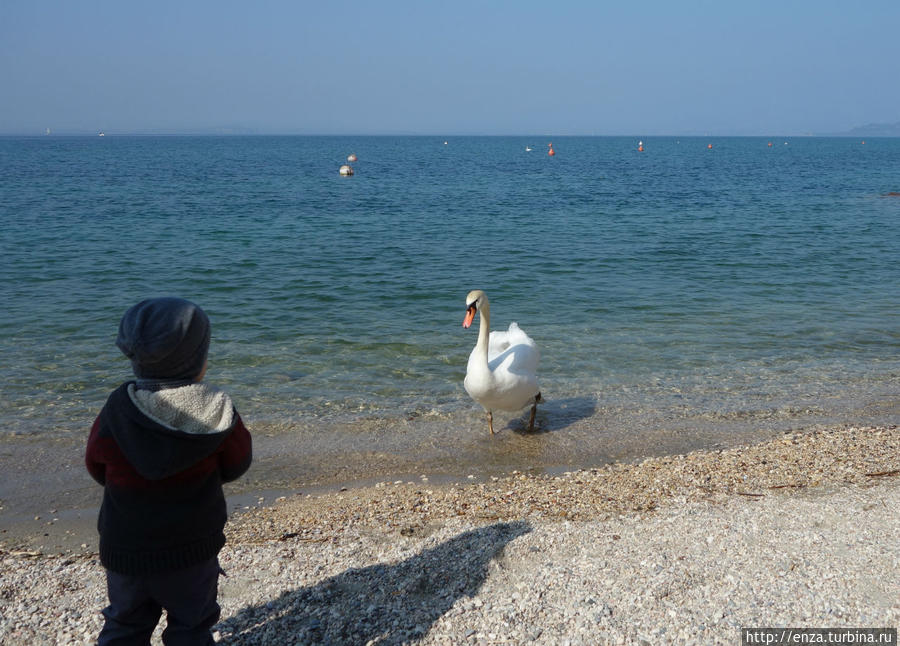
[(346, 170), (351, 158)]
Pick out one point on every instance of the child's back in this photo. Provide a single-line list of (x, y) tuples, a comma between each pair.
[(162, 446)]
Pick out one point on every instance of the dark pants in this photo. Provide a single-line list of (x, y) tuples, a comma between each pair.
[(136, 603)]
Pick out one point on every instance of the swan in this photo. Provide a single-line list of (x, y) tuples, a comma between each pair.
[(502, 369)]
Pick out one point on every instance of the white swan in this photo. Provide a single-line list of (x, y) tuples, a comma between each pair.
[(502, 370)]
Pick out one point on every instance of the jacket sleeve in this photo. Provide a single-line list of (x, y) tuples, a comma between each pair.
[(237, 452), (93, 455)]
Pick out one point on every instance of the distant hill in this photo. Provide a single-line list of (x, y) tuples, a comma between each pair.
[(875, 130)]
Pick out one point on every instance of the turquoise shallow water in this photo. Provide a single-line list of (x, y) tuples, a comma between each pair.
[(743, 288)]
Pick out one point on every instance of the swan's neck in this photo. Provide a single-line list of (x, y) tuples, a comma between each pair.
[(484, 333)]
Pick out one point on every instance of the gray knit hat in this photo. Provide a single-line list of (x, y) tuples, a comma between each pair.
[(166, 339)]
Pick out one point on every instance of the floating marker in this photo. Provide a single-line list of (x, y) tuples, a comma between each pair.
[(709, 146), (351, 158), (346, 170), (551, 152), (640, 146)]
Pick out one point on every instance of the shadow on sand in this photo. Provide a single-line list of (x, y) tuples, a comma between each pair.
[(555, 415), (392, 604)]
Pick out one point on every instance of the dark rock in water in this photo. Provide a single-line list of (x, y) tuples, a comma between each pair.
[(287, 376)]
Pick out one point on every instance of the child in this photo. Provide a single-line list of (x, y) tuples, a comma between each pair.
[(161, 447)]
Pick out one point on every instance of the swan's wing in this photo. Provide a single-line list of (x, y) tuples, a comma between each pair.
[(517, 353), (500, 341)]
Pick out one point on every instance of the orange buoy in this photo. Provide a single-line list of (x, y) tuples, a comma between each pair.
[(551, 152), (640, 146), (770, 144), (864, 143), (709, 146), (351, 158)]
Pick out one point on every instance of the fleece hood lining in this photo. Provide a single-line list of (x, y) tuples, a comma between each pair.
[(197, 408)]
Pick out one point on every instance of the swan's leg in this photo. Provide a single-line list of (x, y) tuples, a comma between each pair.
[(491, 421), (537, 398)]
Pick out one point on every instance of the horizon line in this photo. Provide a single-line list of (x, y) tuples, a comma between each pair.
[(226, 133)]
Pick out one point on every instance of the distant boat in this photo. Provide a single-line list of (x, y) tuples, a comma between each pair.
[(527, 149), (102, 134)]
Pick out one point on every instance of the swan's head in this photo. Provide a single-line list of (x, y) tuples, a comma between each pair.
[(475, 301)]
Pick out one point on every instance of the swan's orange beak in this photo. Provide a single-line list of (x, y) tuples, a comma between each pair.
[(470, 316)]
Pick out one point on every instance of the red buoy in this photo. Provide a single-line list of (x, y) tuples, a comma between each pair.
[(551, 152), (709, 146)]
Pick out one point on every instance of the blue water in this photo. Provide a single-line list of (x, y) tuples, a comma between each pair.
[(682, 290)]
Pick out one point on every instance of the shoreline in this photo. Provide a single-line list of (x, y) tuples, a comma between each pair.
[(798, 530), (793, 460)]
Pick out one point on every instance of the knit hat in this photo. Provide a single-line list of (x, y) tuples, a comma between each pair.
[(166, 339)]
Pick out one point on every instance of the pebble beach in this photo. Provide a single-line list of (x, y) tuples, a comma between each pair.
[(799, 531)]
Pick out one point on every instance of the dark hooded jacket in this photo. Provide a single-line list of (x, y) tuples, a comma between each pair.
[(162, 458)]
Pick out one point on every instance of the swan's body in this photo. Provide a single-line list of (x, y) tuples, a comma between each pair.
[(502, 369)]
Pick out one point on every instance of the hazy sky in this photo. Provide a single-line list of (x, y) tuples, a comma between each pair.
[(449, 66)]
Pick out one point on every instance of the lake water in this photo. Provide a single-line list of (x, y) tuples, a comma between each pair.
[(683, 296)]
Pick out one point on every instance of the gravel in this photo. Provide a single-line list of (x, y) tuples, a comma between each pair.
[(798, 531)]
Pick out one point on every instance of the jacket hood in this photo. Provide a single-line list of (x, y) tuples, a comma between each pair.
[(165, 432)]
